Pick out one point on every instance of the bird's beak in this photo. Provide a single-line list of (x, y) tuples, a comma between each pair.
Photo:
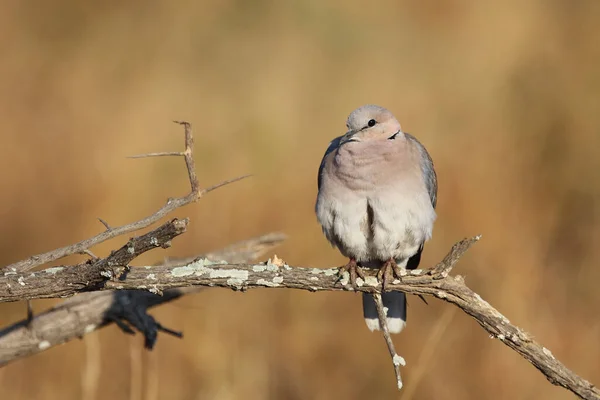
[(349, 136)]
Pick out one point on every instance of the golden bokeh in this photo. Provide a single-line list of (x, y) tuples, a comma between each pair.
[(505, 95)]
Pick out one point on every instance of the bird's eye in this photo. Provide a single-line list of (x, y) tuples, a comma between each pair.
[(371, 122)]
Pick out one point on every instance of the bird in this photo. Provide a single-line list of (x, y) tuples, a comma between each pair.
[(377, 194)]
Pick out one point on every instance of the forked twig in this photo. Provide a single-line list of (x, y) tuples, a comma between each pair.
[(397, 360), (88, 312), (114, 306), (434, 282), (109, 233)]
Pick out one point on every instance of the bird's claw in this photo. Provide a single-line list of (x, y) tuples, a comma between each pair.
[(388, 273), (354, 271)]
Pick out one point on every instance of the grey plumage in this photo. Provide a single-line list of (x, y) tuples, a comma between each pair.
[(429, 175), (376, 201)]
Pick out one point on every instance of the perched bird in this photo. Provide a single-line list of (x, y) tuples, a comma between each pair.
[(376, 203)]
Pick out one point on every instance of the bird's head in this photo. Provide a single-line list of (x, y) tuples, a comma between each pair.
[(371, 122)]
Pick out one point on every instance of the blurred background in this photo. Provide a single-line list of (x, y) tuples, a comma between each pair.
[(506, 97)]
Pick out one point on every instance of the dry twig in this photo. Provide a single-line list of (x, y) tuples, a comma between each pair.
[(435, 282), (109, 233), (88, 312), (397, 361), (127, 304)]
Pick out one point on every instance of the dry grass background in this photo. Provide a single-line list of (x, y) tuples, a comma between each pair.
[(506, 96)]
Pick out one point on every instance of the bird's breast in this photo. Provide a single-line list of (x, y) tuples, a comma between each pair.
[(367, 167)]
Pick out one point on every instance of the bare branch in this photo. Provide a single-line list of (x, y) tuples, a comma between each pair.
[(90, 254), (162, 154), (435, 282), (137, 289), (103, 222), (92, 274), (88, 312), (66, 280), (110, 233), (189, 160), (235, 253), (227, 182), (443, 268), (397, 361)]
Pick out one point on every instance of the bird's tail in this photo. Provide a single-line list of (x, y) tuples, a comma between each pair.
[(394, 302)]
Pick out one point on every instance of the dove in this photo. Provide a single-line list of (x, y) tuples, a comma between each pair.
[(377, 193)]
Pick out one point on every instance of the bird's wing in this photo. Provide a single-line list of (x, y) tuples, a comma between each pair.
[(427, 169), (335, 143)]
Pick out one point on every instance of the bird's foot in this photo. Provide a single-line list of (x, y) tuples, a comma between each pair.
[(388, 272), (354, 271)]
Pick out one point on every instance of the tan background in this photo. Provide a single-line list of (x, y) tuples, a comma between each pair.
[(505, 95)]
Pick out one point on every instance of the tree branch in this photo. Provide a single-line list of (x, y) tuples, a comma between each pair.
[(88, 312), (109, 233), (90, 275), (69, 280), (122, 307), (397, 361), (137, 289), (275, 274)]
